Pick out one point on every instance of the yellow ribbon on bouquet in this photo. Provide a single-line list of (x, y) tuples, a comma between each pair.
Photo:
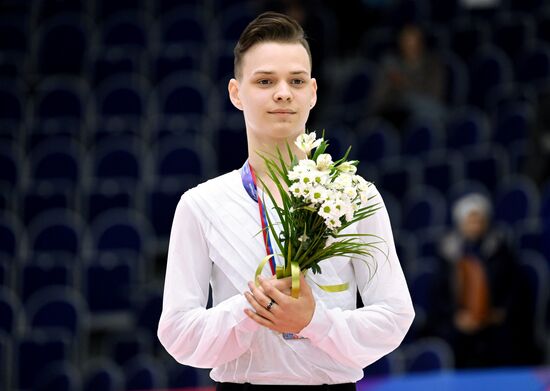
[(295, 278)]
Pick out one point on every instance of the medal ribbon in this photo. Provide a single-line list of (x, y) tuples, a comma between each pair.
[(250, 184)]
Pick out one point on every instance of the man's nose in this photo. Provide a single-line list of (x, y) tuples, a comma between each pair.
[(283, 92)]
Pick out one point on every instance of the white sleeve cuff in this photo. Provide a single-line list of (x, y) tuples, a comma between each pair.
[(319, 326)]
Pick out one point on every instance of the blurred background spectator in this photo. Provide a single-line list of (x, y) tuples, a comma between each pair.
[(481, 292), (110, 110), (411, 81)]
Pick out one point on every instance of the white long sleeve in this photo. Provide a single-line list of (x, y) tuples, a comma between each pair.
[(361, 336), (192, 334), (215, 240)]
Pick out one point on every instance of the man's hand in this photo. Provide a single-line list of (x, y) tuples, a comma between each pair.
[(287, 314)]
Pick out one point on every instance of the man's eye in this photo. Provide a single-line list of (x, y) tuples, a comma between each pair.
[(297, 81), (264, 82)]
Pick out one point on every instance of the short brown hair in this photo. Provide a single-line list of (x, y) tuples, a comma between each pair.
[(269, 27)]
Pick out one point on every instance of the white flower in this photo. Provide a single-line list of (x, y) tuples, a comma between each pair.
[(342, 181), (317, 195), (298, 189), (306, 142), (324, 161), (333, 223), (347, 167)]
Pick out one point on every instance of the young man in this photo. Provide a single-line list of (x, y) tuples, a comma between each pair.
[(245, 337)]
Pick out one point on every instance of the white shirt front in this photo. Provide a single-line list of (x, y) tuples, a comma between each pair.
[(214, 239)]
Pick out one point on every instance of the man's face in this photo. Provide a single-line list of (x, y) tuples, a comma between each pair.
[(275, 90), (474, 225)]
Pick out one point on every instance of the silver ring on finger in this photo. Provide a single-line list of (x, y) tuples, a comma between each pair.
[(268, 307)]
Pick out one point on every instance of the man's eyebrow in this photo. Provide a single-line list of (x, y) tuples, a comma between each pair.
[(262, 72)]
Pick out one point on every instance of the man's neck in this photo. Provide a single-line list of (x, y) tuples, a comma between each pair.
[(269, 150)]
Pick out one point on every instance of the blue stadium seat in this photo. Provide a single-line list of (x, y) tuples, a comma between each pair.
[(376, 140), (533, 64), (57, 162), (163, 7), (46, 9), (178, 157), (102, 374), (12, 102), (62, 376), (56, 231), (528, 235), (234, 19), (513, 33), (354, 89), (124, 347), (489, 67), (466, 36), (148, 309), (121, 231), (486, 164), (390, 365), (423, 208), (10, 66), (100, 198), (445, 12), (181, 376), (466, 126), (429, 354), (7, 270), (543, 25), (40, 197), (14, 36), (106, 283), (189, 95), (161, 201), (124, 97), (422, 285), (406, 248), (10, 312), (34, 352), (456, 78), (6, 371), (58, 308), (62, 99), (104, 9), (11, 231), (126, 31), (115, 62), (536, 270), (11, 164), (61, 46), (517, 200), (184, 26), (513, 126), (396, 175), (230, 144), (45, 272), (174, 60), (441, 169), (144, 372), (118, 161), (377, 41)]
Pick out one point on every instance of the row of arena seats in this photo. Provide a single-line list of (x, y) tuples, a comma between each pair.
[(81, 222), (485, 82)]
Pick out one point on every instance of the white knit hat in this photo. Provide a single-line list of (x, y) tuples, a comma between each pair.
[(470, 203)]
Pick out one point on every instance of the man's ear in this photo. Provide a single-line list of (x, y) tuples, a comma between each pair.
[(233, 88), (314, 95)]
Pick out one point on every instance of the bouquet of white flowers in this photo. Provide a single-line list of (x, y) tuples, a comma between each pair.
[(319, 199)]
